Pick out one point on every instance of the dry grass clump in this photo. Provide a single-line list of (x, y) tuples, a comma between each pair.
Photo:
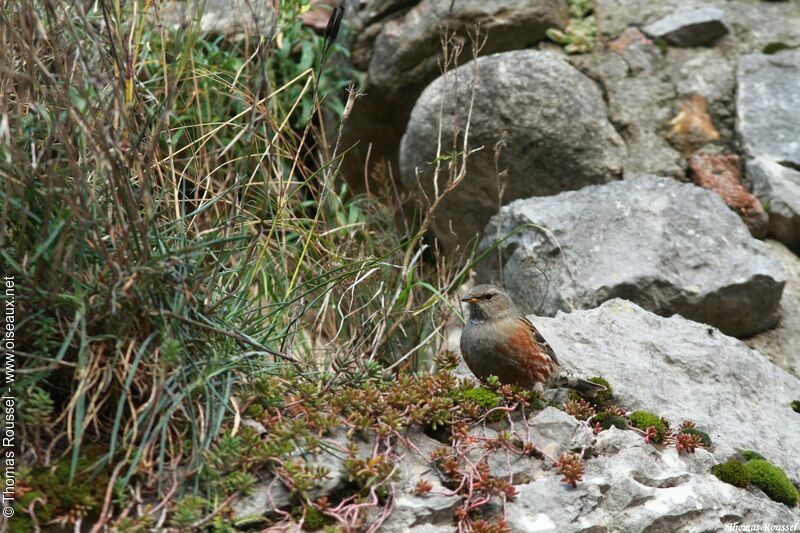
[(174, 220)]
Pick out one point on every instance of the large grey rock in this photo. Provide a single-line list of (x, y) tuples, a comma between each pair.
[(550, 119), (231, 18), (778, 189), (407, 51), (683, 370), (401, 55), (768, 117), (668, 246), (632, 486), (782, 343), (695, 27)]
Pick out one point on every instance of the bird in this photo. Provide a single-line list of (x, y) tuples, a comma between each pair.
[(498, 340)]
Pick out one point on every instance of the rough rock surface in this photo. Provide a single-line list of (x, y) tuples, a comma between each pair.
[(782, 343), (768, 117), (681, 370), (550, 119), (231, 18), (695, 27), (752, 24), (670, 247), (633, 74), (555, 432), (632, 486), (778, 188), (401, 51), (412, 512), (721, 174), (644, 84)]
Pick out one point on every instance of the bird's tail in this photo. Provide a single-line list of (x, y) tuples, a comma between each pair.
[(583, 386)]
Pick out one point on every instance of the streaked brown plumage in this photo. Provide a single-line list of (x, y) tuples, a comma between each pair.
[(498, 341)]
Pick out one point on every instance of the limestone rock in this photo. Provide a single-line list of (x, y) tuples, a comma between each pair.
[(547, 120), (231, 18), (684, 370), (669, 247), (782, 343), (768, 117), (554, 432), (778, 188), (632, 486), (694, 27)]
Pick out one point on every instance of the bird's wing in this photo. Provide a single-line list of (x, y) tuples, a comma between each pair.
[(537, 337)]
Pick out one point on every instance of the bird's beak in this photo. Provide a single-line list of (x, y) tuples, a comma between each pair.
[(469, 299)]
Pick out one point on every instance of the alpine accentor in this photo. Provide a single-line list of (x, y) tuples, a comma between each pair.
[(497, 340)]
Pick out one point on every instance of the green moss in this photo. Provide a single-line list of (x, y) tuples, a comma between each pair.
[(775, 47), (254, 411), (703, 435), (645, 419), (314, 519), (795, 406), (483, 397), (733, 472), (749, 455), (537, 404), (608, 420), (602, 399), (773, 481)]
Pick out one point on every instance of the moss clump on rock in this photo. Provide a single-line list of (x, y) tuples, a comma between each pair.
[(608, 420), (481, 396), (733, 472), (603, 398), (314, 520), (749, 455), (703, 435), (645, 419), (773, 481)]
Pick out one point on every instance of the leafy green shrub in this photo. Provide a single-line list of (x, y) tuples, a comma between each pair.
[(773, 481), (732, 472), (645, 419)]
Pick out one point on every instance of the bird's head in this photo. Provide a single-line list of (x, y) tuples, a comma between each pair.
[(487, 302)]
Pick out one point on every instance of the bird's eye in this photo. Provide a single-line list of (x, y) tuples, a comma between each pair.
[(489, 296)]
